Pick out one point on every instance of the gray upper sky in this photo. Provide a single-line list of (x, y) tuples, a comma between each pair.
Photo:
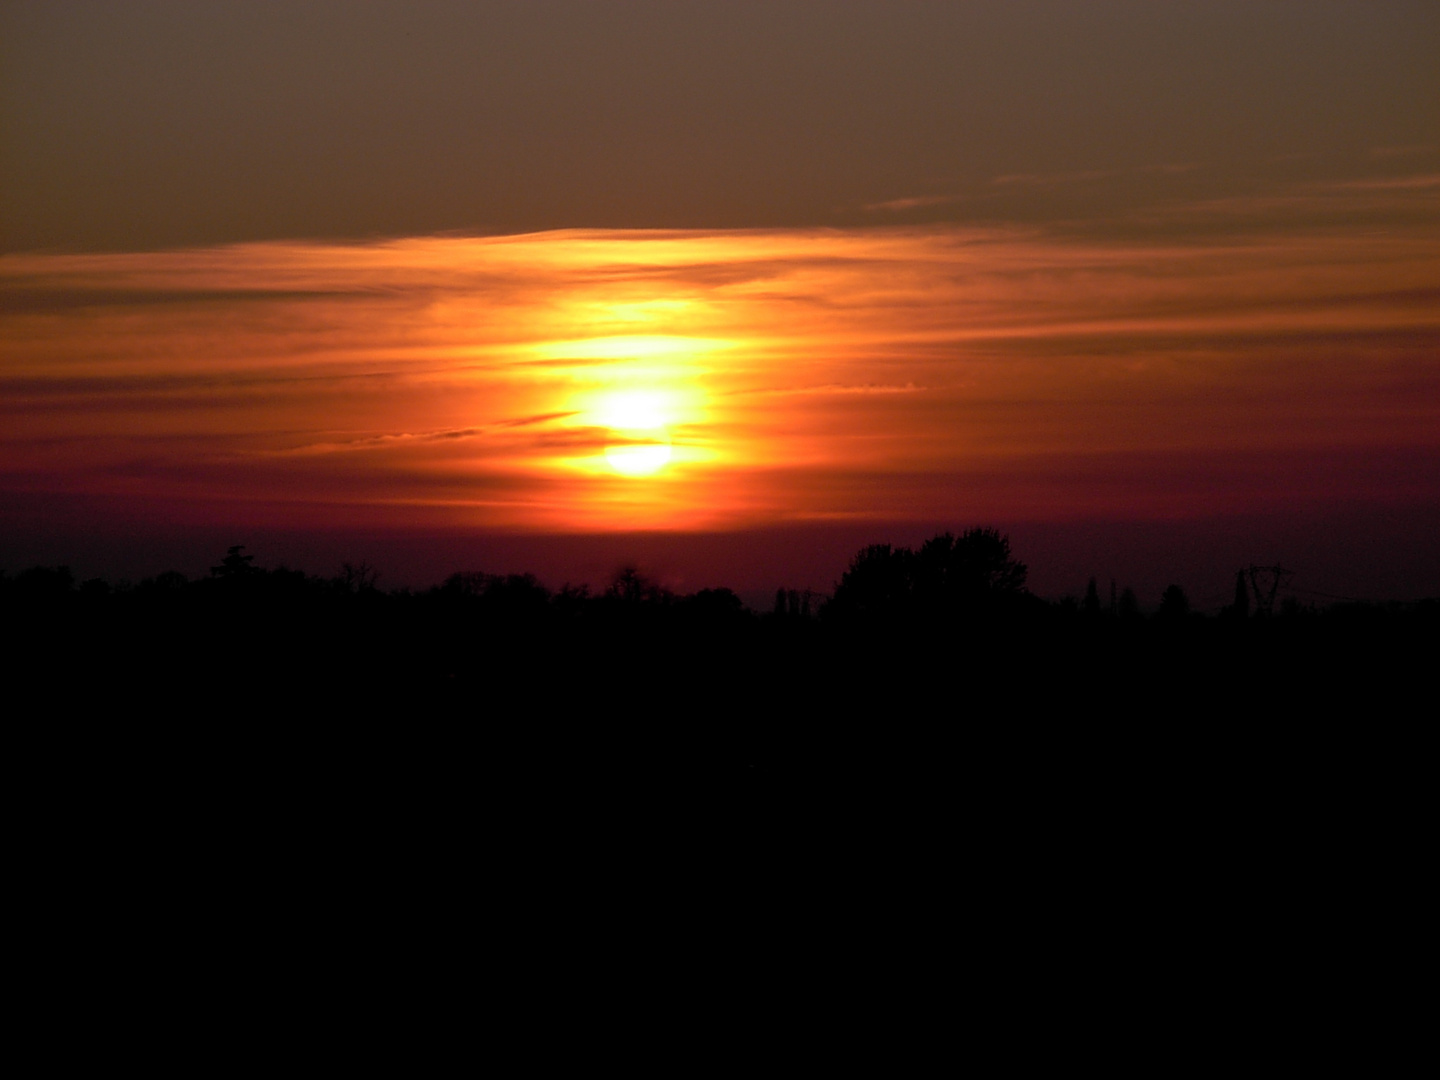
[(152, 124)]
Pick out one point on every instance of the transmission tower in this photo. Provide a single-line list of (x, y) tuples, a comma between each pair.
[(1265, 582)]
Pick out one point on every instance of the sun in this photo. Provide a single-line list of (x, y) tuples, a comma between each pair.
[(638, 459), (638, 420), (634, 410)]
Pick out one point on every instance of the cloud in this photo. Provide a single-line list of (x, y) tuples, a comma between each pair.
[(816, 374), (833, 388), (1397, 203), (1051, 179), (913, 202), (1412, 150), (376, 442), (1393, 183)]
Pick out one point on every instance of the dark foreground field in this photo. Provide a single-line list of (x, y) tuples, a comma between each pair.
[(947, 683), (318, 792), (264, 807)]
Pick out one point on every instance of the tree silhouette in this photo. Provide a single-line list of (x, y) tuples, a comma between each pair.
[(948, 575), (44, 582), (632, 587), (878, 583), (1174, 604), (1129, 605), (1240, 609), (976, 565), (234, 566), (357, 578)]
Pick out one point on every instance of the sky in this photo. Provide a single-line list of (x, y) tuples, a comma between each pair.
[(724, 289)]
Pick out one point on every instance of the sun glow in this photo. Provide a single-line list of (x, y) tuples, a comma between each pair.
[(638, 423), (666, 348), (638, 459), (644, 410)]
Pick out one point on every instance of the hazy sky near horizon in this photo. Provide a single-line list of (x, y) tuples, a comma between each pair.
[(565, 267), (161, 123)]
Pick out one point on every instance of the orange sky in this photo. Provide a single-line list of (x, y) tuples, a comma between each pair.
[(768, 377), (743, 280)]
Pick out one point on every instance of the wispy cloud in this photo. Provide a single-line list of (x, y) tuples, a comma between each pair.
[(376, 442), (793, 374), (1391, 183), (913, 202), (1089, 176), (1409, 151), (1051, 179), (1405, 204)]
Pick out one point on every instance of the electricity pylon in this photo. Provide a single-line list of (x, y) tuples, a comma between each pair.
[(1273, 576)]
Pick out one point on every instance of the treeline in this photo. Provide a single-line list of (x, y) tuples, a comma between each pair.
[(951, 619), (930, 690), (967, 580)]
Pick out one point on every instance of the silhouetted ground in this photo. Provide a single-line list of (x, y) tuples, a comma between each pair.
[(467, 676), (1057, 778)]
